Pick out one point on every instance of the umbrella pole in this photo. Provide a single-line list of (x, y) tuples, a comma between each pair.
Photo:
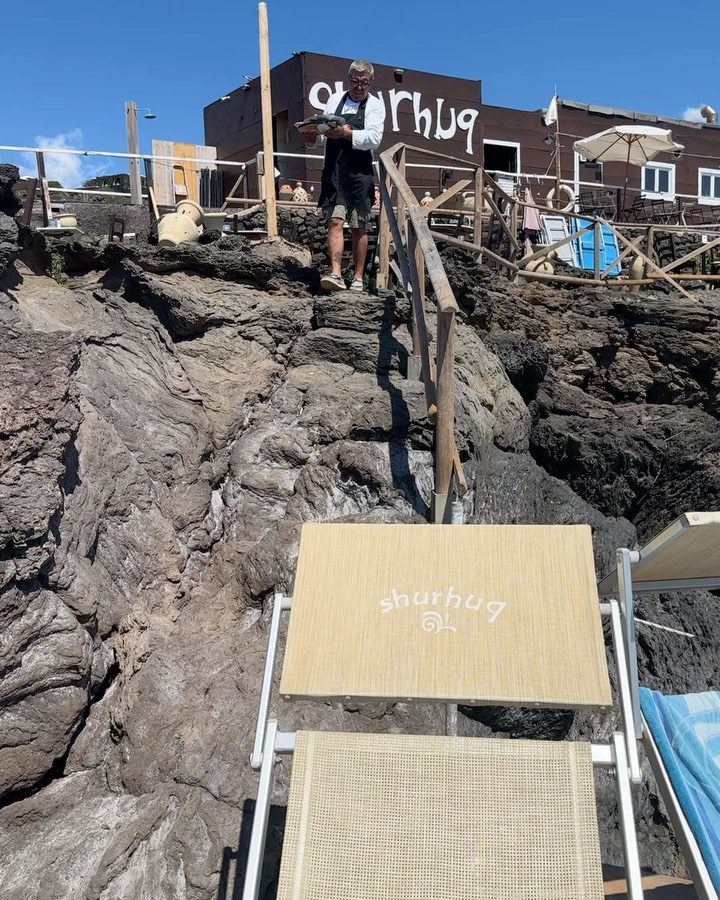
[(627, 169)]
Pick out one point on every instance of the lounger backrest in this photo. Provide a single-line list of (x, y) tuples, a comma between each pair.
[(685, 552), (500, 614)]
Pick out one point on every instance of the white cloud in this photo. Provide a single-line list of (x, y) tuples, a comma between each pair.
[(67, 168), (692, 114)]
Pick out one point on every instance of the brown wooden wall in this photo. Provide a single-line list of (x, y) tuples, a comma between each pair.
[(702, 144), (234, 126)]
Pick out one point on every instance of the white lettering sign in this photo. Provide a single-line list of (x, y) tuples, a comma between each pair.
[(434, 621), (446, 124)]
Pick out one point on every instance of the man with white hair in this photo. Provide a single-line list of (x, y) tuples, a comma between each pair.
[(348, 183)]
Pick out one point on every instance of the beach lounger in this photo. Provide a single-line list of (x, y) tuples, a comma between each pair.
[(682, 742), (680, 734), (501, 615)]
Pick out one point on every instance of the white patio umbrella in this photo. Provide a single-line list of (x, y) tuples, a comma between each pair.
[(636, 144)]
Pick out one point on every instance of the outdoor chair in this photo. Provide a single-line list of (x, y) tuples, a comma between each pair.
[(475, 614), (680, 734)]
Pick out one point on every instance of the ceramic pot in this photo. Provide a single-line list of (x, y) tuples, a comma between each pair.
[(213, 221), (174, 228), (67, 220), (190, 208)]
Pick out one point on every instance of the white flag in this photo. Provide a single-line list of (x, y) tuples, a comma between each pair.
[(551, 114)]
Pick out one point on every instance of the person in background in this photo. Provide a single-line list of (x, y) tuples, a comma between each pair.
[(347, 187)]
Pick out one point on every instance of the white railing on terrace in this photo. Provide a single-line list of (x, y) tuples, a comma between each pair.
[(524, 178)]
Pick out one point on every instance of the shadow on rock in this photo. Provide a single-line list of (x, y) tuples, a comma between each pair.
[(235, 859)]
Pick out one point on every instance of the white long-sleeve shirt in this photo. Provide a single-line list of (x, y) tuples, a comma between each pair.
[(367, 138)]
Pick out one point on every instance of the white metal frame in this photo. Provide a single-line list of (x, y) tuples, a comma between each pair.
[(655, 194), (621, 583), (688, 845), (711, 173), (619, 755)]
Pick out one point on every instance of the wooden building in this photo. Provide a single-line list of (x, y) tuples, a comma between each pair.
[(529, 146), (434, 111), (446, 114)]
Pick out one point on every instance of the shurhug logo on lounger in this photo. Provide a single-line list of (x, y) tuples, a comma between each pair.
[(438, 619)]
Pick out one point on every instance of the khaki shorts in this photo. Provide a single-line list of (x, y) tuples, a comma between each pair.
[(356, 218)]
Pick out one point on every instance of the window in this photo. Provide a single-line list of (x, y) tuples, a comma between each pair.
[(658, 180), (709, 186), (500, 159)]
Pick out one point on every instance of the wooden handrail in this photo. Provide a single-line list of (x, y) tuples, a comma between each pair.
[(417, 256)]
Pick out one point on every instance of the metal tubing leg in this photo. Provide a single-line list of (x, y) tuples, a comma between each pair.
[(625, 559), (251, 889), (281, 603), (625, 691), (633, 875)]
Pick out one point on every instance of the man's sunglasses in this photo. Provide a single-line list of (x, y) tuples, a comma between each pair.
[(360, 82)]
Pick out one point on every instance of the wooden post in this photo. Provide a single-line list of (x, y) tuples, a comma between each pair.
[(153, 211), (44, 192), (651, 243), (384, 230), (514, 251), (477, 223), (132, 143), (26, 217), (269, 179), (597, 235), (417, 266), (558, 168), (445, 426), (400, 200), (260, 171)]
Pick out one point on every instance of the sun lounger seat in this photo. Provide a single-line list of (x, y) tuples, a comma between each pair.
[(473, 614)]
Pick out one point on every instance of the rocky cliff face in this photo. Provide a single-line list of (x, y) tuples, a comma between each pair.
[(169, 418)]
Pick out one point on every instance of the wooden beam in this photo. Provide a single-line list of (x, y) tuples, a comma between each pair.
[(401, 200), (596, 247), (44, 192), (153, 211), (384, 228), (466, 245), (446, 195), (477, 221), (266, 104), (443, 292), (407, 273), (445, 427), (538, 254), (132, 145), (27, 212), (231, 196), (653, 266), (460, 479), (418, 260), (703, 248), (501, 219)]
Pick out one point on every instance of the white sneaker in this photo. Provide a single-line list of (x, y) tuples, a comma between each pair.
[(357, 285), (333, 283)]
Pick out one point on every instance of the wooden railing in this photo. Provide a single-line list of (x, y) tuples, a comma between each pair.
[(416, 256)]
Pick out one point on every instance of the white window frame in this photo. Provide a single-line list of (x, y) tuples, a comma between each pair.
[(659, 195), (709, 201), (514, 144)]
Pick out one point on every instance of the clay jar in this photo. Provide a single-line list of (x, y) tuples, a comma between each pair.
[(190, 208)]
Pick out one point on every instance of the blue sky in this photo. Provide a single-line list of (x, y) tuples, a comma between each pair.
[(68, 67)]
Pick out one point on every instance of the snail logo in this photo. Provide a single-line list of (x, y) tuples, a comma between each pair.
[(435, 623)]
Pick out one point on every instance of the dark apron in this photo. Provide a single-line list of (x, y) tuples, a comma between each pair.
[(347, 176)]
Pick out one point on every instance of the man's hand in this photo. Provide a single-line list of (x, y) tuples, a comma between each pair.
[(309, 133), (339, 132)]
